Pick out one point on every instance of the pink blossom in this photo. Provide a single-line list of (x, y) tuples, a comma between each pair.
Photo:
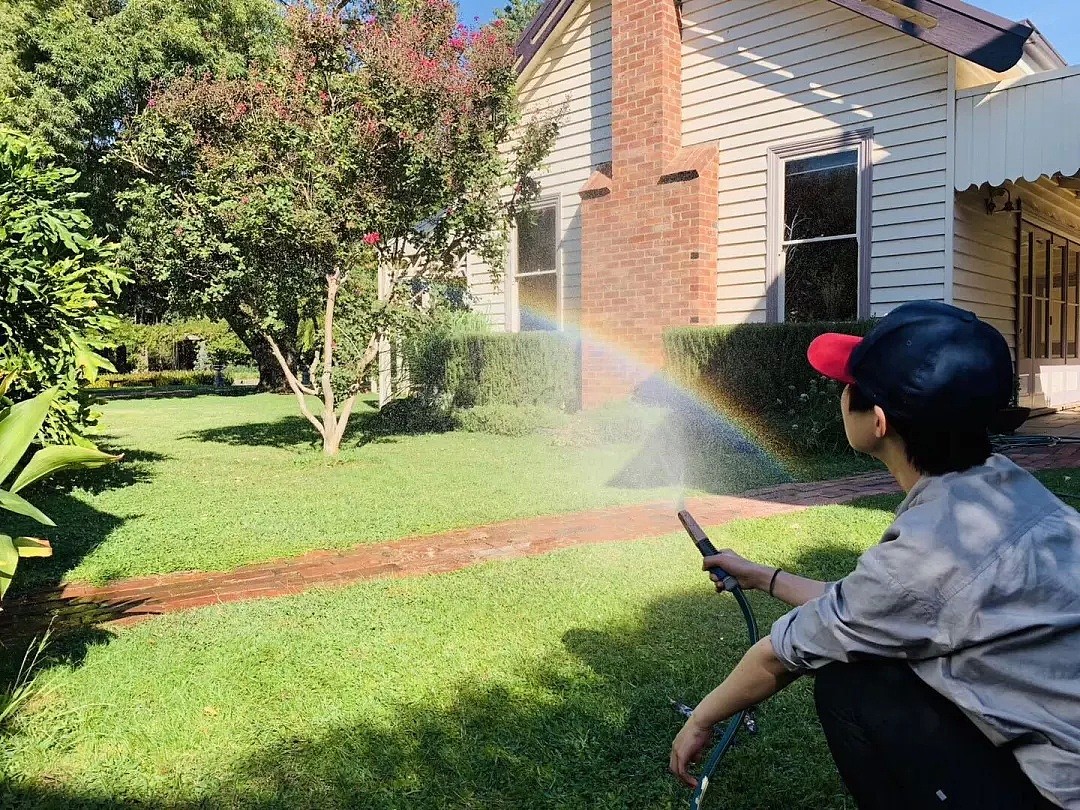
[(372, 238), (458, 43), (245, 199), (151, 103), (324, 96)]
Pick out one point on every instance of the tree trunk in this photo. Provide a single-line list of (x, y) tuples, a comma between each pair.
[(271, 375)]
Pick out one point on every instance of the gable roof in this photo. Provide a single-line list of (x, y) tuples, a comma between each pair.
[(952, 25)]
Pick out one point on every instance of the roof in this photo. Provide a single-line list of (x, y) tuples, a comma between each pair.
[(1021, 129), (952, 25)]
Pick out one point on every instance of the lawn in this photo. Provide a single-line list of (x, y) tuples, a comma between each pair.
[(536, 683), (210, 483)]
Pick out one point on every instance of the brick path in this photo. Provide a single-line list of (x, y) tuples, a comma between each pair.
[(133, 600)]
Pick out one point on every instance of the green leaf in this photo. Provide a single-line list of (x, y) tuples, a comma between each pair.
[(52, 459), (33, 547), (9, 561), (6, 381), (90, 362), (19, 427), (20, 506)]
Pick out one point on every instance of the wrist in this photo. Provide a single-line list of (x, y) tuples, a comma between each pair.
[(762, 575), (698, 723)]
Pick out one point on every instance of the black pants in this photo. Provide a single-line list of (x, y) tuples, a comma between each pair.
[(899, 744)]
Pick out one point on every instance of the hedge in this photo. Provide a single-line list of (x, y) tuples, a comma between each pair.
[(154, 344), (760, 371), (466, 370), (158, 379)]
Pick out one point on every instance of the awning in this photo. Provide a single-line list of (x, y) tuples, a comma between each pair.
[(1018, 130)]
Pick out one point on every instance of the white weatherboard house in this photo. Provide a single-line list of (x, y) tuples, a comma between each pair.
[(730, 161)]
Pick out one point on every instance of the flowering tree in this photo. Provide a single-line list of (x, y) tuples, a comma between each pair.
[(339, 184)]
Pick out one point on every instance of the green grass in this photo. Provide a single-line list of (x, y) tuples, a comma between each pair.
[(210, 483), (539, 683)]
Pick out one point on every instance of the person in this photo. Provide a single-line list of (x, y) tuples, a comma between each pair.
[(947, 664)]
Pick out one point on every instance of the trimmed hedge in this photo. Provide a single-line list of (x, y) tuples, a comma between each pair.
[(466, 370), (159, 379), (760, 371)]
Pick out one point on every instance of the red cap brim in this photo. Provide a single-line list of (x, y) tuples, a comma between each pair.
[(830, 355)]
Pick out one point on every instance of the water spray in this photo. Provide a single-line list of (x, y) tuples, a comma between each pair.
[(745, 717)]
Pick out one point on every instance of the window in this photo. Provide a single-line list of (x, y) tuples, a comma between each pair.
[(819, 196), (536, 269)]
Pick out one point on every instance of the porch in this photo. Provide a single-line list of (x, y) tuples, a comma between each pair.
[(1018, 225)]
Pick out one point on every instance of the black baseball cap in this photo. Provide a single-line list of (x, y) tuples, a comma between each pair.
[(925, 362)]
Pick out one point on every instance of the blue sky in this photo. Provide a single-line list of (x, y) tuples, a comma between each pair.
[(1052, 16)]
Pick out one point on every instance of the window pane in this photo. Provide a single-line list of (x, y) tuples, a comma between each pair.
[(1071, 312), (1057, 296), (821, 281), (536, 241), (821, 196), (538, 302), (1041, 286)]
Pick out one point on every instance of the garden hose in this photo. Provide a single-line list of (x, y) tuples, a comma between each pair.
[(745, 717)]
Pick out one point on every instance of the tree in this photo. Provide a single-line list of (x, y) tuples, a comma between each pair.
[(58, 285), (518, 14), (350, 175), (73, 72)]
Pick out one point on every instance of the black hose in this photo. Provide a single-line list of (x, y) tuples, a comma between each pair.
[(728, 735)]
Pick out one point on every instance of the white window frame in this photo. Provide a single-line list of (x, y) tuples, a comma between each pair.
[(513, 310), (859, 141)]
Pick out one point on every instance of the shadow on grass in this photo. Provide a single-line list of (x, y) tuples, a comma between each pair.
[(135, 467), (588, 727), (80, 528), (296, 431), (175, 392), (695, 448), (289, 431)]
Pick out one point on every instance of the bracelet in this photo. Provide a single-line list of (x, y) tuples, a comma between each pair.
[(772, 582)]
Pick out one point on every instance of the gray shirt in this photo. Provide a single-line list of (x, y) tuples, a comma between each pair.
[(977, 586)]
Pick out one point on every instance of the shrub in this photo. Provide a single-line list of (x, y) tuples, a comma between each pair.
[(470, 369), (760, 371), (501, 419), (625, 422), (58, 284), (411, 415), (151, 347), (159, 379)]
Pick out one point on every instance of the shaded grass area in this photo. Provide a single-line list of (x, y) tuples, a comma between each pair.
[(210, 483), (536, 683)]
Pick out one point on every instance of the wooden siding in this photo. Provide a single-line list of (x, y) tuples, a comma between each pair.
[(985, 276), (763, 74), (575, 71)]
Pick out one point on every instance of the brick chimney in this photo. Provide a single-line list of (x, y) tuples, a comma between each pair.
[(649, 242)]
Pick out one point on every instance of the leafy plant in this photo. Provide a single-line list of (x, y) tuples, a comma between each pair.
[(19, 424), (760, 372), (24, 686), (59, 285), (465, 369), (151, 347), (508, 420)]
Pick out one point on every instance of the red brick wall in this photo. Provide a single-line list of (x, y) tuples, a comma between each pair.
[(649, 252)]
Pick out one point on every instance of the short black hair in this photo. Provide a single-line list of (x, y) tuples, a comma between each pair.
[(932, 450)]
